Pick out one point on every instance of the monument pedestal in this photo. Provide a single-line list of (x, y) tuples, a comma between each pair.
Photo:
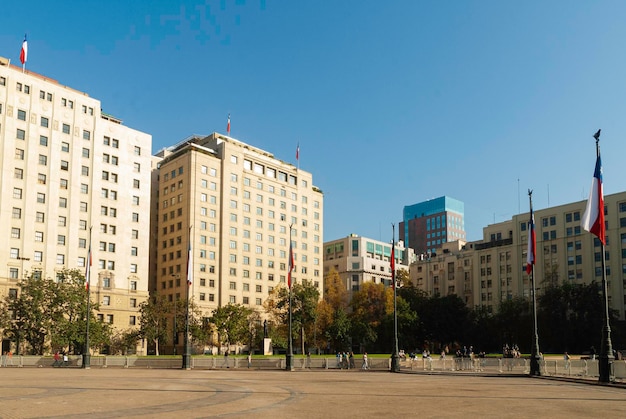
[(267, 346)]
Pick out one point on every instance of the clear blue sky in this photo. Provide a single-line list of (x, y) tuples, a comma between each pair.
[(392, 102)]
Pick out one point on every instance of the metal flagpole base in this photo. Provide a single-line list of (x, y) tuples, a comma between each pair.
[(395, 363), (86, 361), (289, 362), (186, 361), (535, 368), (606, 358)]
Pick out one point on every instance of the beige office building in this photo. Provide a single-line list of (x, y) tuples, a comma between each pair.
[(67, 168), (234, 206), (360, 259), (493, 269)]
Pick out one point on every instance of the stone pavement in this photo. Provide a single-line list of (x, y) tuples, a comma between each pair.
[(155, 393)]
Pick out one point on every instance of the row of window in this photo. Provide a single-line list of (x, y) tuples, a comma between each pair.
[(47, 96)]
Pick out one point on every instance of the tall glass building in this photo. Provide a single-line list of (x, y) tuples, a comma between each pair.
[(427, 225)]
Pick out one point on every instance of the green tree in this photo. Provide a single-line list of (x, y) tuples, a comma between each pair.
[(123, 342), (52, 312), (370, 305), (515, 322), (571, 317), (333, 324), (154, 313), (69, 330), (402, 278), (304, 300), (232, 323)]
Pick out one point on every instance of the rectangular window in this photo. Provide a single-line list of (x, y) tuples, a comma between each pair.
[(44, 122)]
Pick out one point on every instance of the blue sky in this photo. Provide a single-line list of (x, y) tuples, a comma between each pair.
[(392, 102)]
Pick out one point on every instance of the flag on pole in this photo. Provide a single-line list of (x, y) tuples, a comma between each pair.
[(532, 244), (189, 264), (228, 125), (298, 152), (88, 269), (593, 218), (393, 266), (291, 264), (24, 52)]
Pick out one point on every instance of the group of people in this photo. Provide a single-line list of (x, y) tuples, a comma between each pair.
[(345, 360), (7, 358), (57, 360)]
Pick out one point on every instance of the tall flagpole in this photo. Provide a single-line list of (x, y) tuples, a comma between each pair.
[(535, 358), (86, 354), (606, 349), (187, 354), (289, 356), (395, 357)]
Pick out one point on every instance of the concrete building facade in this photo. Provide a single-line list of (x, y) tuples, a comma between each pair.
[(360, 259), (426, 226), (234, 206), (492, 270), (68, 169)]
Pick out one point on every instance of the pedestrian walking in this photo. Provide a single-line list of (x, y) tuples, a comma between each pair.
[(57, 359), (249, 360), (65, 360), (365, 366)]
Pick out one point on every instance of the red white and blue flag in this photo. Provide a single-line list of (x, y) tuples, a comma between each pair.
[(189, 265), (88, 269), (291, 264), (393, 266), (228, 125), (593, 218), (532, 244), (24, 52)]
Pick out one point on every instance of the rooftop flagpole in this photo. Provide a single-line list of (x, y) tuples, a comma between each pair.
[(24, 54)]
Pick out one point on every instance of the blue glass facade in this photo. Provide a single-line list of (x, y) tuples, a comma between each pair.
[(441, 219)]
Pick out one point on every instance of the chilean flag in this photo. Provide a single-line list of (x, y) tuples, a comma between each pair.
[(24, 52), (291, 264), (298, 152), (88, 270), (228, 125), (393, 266), (532, 244), (189, 265), (593, 218)]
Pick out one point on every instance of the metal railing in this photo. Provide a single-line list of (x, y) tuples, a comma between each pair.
[(574, 368)]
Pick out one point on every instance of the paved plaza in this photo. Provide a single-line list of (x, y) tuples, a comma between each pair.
[(161, 393)]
